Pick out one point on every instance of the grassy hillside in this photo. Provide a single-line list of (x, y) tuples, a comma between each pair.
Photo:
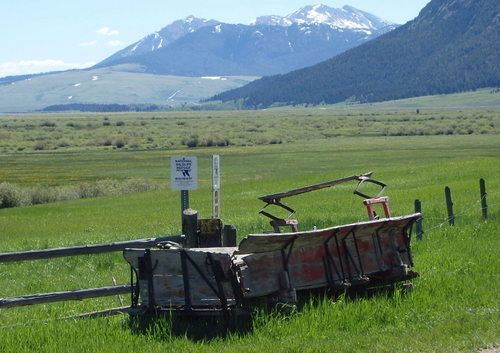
[(108, 86), (452, 308)]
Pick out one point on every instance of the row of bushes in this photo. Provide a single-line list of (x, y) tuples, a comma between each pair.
[(12, 195)]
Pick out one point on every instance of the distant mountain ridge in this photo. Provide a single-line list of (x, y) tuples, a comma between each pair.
[(452, 46), (268, 45), (162, 38)]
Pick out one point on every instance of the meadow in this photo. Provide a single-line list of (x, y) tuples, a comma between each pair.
[(453, 307), (72, 132)]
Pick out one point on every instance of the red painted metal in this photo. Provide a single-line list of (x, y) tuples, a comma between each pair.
[(381, 200)]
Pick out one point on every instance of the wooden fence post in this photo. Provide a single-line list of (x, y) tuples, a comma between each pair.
[(484, 206), (418, 223), (190, 227), (229, 235), (449, 205)]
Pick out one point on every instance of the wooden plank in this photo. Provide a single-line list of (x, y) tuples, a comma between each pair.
[(169, 291), (254, 243), (167, 261), (84, 249), (260, 273), (78, 294), (274, 197)]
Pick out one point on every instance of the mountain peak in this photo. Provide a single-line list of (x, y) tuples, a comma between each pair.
[(345, 18)]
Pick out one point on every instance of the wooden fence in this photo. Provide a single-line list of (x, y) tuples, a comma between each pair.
[(78, 294)]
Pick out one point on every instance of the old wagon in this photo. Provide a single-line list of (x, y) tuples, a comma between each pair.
[(274, 266)]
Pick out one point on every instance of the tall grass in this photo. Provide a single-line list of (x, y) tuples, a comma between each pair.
[(12, 195)]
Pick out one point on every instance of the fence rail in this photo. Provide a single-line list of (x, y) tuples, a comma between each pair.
[(85, 249), (79, 294)]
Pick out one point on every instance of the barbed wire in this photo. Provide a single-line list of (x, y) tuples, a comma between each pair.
[(467, 212)]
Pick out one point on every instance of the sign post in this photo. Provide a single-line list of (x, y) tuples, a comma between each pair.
[(184, 177), (215, 186)]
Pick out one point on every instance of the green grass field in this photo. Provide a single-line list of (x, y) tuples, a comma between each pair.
[(453, 307)]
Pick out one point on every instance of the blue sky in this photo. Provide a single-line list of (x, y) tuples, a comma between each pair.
[(38, 36)]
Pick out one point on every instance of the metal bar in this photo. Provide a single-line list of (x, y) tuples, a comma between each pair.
[(287, 259), (184, 200), (200, 272), (327, 269), (217, 274), (329, 255), (84, 249), (348, 255), (148, 264), (79, 294), (357, 252), (340, 258), (185, 277), (376, 246), (407, 234), (134, 289)]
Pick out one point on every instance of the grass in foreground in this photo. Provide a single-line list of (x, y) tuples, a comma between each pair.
[(454, 306)]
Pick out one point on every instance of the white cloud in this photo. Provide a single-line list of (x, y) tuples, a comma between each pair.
[(115, 43), (88, 44), (106, 31), (36, 66)]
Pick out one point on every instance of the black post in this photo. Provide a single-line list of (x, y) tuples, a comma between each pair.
[(418, 223), (484, 206), (449, 205), (229, 235)]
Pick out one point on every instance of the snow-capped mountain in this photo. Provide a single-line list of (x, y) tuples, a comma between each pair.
[(348, 18), (268, 45), (163, 37)]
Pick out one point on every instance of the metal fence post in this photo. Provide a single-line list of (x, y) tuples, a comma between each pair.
[(449, 205), (484, 206), (418, 223)]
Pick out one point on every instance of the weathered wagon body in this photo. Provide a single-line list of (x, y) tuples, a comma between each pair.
[(274, 266)]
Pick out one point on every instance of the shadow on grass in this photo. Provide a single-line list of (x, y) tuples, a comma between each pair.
[(168, 325)]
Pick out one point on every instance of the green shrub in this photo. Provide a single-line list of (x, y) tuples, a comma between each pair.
[(10, 196), (41, 194), (40, 146), (48, 124), (120, 143)]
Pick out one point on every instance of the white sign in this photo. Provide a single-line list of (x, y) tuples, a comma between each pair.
[(215, 186), (183, 173)]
